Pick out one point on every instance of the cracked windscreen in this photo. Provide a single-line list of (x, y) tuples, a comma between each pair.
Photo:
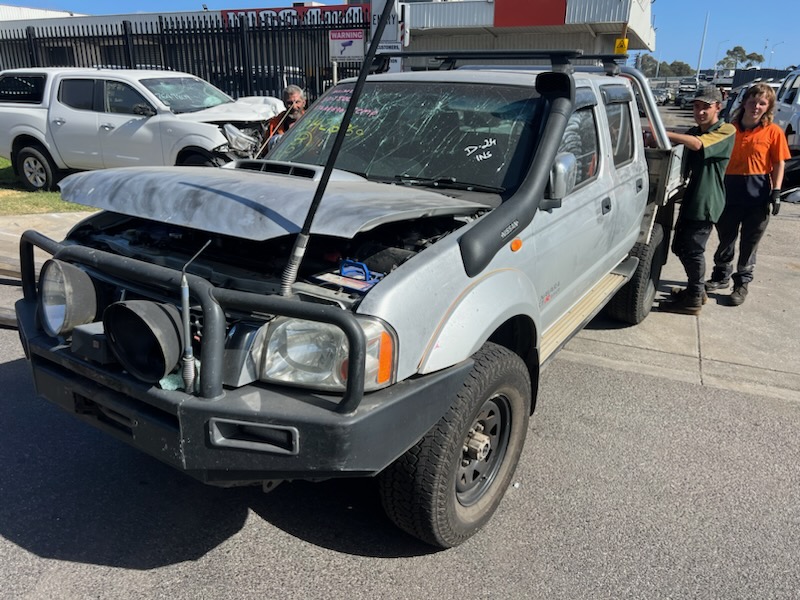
[(469, 136), (186, 94)]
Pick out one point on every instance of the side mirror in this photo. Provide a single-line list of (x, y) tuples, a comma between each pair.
[(563, 175), (144, 110)]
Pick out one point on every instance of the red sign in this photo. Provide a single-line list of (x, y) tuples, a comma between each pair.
[(528, 13), (302, 15)]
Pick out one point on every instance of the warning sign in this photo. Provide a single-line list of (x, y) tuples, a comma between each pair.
[(346, 45), (621, 46)]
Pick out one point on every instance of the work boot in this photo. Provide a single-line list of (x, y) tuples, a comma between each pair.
[(678, 293), (738, 294), (684, 303), (717, 284)]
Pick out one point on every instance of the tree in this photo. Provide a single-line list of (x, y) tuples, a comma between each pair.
[(680, 69), (665, 70), (739, 56), (649, 65)]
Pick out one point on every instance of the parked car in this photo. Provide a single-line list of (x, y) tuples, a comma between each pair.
[(263, 79), (787, 110), (473, 222), (686, 91), (660, 95), (736, 96), (57, 120)]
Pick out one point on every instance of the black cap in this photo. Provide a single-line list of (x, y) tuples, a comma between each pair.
[(708, 94)]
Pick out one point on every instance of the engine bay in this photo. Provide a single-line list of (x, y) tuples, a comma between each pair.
[(340, 269)]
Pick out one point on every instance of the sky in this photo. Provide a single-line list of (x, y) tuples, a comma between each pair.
[(769, 29)]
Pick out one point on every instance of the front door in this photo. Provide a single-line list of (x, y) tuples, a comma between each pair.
[(129, 129)]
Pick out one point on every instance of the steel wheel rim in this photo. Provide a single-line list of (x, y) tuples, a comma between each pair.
[(475, 476)]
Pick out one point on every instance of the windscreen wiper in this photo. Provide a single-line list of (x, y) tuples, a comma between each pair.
[(448, 183)]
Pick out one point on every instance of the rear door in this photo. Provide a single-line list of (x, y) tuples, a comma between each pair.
[(627, 173), (73, 123)]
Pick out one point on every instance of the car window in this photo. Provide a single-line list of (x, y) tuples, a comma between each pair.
[(77, 93), (122, 98), (28, 89), (791, 91), (580, 138), (478, 134), (186, 94), (621, 130), (786, 85)]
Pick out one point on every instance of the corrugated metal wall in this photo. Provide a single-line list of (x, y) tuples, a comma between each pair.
[(13, 13), (589, 43), (602, 17), (598, 11), (445, 15)]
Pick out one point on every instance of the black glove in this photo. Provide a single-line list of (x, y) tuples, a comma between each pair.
[(775, 200)]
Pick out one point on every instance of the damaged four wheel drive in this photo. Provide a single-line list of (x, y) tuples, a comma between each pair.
[(375, 299)]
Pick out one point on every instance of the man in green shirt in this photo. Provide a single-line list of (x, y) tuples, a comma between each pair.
[(708, 149)]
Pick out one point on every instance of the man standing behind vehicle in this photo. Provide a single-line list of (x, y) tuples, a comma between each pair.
[(294, 99), (709, 146), (752, 183)]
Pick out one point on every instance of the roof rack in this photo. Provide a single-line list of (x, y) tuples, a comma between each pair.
[(559, 59), (611, 62)]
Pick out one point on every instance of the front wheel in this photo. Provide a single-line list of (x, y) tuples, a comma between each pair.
[(36, 170), (446, 487)]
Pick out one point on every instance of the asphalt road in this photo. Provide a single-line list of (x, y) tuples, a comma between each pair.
[(630, 486)]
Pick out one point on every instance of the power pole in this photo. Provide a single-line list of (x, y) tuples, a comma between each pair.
[(700, 58)]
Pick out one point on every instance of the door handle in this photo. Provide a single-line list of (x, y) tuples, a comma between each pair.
[(107, 126), (606, 205), (639, 185), (58, 121)]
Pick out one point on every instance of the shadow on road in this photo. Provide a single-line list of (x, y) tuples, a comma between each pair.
[(74, 494)]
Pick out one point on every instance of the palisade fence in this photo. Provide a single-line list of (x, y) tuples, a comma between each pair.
[(240, 55)]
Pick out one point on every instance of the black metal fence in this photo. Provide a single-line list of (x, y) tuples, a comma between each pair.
[(241, 55)]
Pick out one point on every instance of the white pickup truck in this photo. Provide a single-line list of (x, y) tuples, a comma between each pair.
[(459, 230), (54, 120)]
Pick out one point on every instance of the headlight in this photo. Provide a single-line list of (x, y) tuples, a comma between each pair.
[(238, 140), (315, 355), (67, 298)]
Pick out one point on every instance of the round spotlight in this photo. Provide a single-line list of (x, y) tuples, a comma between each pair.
[(145, 337), (67, 297)]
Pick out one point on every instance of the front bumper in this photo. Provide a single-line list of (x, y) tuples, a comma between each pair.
[(224, 435), (250, 434)]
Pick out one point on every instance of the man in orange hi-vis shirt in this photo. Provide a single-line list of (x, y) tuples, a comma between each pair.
[(753, 182)]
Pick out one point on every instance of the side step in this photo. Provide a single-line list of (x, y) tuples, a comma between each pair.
[(579, 315)]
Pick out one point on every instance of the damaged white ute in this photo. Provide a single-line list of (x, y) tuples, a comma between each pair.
[(377, 299), (53, 121)]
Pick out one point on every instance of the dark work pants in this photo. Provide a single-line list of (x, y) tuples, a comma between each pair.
[(689, 245), (747, 213), (753, 220)]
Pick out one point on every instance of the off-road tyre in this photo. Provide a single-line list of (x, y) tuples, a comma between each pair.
[(633, 302), (439, 491), (36, 169)]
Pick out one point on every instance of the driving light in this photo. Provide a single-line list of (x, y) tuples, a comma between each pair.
[(315, 355), (67, 298), (145, 337)]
